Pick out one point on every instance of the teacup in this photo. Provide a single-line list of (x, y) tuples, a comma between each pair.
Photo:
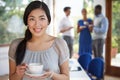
[(35, 68), (86, 23)]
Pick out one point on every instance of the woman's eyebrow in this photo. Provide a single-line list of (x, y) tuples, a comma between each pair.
[(31, 16), (42, 16), (39, 16)]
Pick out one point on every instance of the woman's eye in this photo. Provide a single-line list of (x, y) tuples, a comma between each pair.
[(31, 19), (42, 18)]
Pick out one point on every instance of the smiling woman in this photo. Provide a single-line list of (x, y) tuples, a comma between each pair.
[(38, 47)]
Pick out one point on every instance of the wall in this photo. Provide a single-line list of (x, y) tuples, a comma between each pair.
[(4, 65)]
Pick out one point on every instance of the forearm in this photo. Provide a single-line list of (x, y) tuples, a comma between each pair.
[(65, 29), (15, 76), (99, 30), (78, 29), (60, 76), (104, 27), (90, 29)]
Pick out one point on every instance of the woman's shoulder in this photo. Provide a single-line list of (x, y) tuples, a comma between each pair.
[(61, 43), (59, 40), (89, 19), (80, 20), (13, 47), (16, 41), (62, 49)]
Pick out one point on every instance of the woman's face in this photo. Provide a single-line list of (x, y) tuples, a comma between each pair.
[(84, 12), (37, 22)]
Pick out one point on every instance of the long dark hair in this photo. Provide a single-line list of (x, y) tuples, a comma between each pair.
[(20, 51)]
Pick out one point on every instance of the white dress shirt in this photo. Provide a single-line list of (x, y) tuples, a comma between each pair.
[(65, 23)]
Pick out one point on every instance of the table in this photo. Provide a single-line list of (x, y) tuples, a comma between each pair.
[(74, 73)]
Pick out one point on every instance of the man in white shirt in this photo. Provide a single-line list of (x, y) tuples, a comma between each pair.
[(66, 28)]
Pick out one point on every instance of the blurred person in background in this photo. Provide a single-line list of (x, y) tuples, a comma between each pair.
[(67, 29), (84, 29), (99, 32)]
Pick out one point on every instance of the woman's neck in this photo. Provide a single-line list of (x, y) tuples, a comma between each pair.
[(39, 39), (85, 18)]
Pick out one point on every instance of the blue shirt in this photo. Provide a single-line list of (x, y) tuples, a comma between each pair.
[(100, 27)]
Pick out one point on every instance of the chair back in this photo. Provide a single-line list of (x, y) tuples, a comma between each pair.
[(84, 60), (96, 68)]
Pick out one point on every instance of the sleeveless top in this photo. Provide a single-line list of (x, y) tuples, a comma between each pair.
[(85, 39)]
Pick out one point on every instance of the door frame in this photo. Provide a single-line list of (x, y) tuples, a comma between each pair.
[(110, 70)]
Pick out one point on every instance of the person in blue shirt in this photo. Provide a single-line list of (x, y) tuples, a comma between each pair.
[(85, 29), (99, 32)]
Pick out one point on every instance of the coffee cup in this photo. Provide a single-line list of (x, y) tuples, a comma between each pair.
[(90, 25), (35, 68), (85, 23)]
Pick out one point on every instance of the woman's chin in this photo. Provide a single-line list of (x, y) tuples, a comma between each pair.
[(37, 34)]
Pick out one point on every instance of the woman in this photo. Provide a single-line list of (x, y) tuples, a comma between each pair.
[(38, 47), (84, 28)]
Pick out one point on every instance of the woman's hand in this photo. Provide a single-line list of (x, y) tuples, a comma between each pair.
[(20, 70), (90, 27), (82, 27), (47, 74)]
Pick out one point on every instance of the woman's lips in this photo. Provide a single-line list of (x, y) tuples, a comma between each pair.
[(37, 30)]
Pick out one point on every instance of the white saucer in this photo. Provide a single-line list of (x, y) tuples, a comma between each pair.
[(36, 75)]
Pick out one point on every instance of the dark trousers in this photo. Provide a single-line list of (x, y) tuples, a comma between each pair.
[(97, 47), (69, 41)]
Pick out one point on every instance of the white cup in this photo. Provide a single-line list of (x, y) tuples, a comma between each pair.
[(35, 68), (86, 23), (91, 25)]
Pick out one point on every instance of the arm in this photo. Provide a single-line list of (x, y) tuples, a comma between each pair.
[(65, 29), (64, 72), (79, 29), (90, 26), (15, 72), (104, 27), (63, 52), (12, 71)]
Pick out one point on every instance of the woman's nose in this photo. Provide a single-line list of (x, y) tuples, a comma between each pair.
[(37, 23)]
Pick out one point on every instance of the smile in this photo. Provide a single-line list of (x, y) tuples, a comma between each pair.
[(37, 30)]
